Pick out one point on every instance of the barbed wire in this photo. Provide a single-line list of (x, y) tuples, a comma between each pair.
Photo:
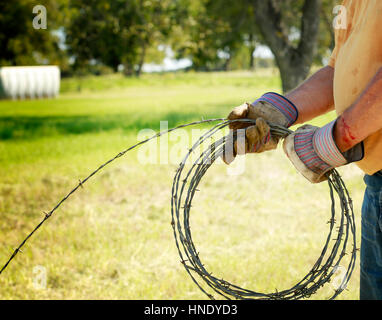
[(181, 202), (183, 191)]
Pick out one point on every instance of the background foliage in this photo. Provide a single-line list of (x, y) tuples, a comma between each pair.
[(102, 36)]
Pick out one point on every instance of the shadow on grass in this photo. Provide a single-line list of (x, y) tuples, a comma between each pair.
[(19, 127)]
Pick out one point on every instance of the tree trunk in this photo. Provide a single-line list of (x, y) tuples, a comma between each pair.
[(252, 66), (252, 48), (141, 59), (128, 70), (115, 67), (292, 72), (227, 64), (329, 27), (294, 62)]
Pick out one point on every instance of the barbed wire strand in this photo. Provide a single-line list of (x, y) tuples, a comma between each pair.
[(81, 183), (318, 276)]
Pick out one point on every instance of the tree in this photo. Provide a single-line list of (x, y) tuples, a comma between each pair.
[(326, 40), (197, 35), (117, 32), (294, 46), (212, 32), (20, 42), (240, 34)]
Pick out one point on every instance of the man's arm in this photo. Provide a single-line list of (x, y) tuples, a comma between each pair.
[(363, 118), (315, 151), (311, 99), (314, 97)]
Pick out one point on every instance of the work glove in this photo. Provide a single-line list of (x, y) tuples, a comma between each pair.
[(314, 153), (271, 107)]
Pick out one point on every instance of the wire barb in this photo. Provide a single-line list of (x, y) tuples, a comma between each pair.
[(182, 198), (319, 275)]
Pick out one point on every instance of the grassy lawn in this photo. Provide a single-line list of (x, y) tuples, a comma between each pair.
[(263, 229)]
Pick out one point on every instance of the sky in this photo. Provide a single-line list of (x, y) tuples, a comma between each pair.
[(171, 64)]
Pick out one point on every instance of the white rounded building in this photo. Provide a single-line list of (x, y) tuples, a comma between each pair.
[(29, 82)]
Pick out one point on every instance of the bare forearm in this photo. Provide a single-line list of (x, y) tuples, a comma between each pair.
[(314, 97), (363, 118)]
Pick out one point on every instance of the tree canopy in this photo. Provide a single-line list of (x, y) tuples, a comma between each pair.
[(125, 34)]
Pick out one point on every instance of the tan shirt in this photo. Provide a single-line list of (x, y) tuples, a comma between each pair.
[(356, 59)]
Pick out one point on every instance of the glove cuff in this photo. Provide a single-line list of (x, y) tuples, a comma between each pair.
[(355, 154), (326, 148), (282, 104), (298, 147)]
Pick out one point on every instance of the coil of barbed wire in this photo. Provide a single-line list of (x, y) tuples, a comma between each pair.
[(181, 201), (183, 191)]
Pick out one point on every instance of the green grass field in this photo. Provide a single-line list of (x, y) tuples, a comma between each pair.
[(262, 230)]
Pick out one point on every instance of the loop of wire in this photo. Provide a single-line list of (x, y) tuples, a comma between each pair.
[(183, 191), (184, 187)]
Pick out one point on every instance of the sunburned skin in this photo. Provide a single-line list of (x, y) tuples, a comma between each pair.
[(315, 96)]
